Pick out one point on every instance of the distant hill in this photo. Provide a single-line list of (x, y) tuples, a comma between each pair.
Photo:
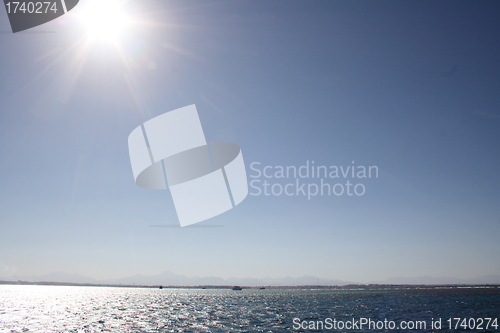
[(488, 279), (173, 279), (59, 277), (169, 278)]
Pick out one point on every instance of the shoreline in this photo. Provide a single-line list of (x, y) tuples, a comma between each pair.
[(349, 287)]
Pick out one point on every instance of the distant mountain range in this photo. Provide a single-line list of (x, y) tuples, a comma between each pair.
[(173, 279), (487, 279)]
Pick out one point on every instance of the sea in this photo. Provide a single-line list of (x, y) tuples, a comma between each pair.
[(33, 308)]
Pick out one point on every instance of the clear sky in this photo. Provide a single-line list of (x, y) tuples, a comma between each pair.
[(411, 87)]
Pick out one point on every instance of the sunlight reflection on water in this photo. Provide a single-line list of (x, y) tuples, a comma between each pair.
[(107, 309)]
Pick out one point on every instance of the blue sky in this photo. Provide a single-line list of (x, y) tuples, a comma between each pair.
[(411, 87)]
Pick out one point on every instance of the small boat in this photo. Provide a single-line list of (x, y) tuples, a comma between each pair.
[(237, 288)]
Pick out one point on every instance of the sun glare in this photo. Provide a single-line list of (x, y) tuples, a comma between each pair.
[(104, 20)]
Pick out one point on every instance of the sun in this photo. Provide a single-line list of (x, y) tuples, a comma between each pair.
[(104, 20)]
